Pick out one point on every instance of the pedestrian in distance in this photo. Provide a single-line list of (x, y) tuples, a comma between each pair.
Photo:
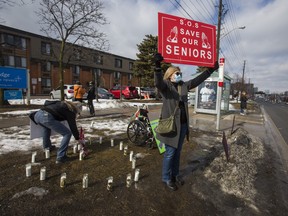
[(243, 103), (49, 118), (91, 97), (174, 92), (79, 91)]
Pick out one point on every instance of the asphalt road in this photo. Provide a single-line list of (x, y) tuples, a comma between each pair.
[(279, 114)]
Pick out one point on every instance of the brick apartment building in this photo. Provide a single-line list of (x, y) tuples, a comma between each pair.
[(40, 54)]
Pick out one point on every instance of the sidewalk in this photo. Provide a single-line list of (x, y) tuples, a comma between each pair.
[(252, 122)]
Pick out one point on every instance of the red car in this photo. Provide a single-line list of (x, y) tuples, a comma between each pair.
[(128, 92)]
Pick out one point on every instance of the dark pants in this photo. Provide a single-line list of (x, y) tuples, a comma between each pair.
[(171, 159), (91, 106)]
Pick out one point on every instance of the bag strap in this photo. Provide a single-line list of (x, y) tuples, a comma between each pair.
[(179, 87)]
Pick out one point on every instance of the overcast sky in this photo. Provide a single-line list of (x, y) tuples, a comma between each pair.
[(262, 44)]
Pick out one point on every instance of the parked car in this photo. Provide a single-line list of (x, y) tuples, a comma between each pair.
[(68, 92), (128, 92), (104, 94), (145, 91), (150, 91)]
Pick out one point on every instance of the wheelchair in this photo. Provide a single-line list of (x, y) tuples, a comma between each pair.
[(139, 130)]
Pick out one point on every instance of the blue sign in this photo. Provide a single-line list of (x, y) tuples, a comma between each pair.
[(12, 94), (13, 77)]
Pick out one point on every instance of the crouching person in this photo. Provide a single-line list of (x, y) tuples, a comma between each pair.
[(49, 118)]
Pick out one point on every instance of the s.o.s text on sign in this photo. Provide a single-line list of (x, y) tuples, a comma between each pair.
[(185, 41)]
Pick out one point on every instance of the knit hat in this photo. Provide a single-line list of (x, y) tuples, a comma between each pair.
[(75, 107), (171, 70)]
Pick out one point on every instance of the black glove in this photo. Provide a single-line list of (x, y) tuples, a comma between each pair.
[(212, 69), (158, 58)]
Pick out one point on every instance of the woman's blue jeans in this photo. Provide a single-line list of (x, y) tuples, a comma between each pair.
[(48, 123), (171, 159)]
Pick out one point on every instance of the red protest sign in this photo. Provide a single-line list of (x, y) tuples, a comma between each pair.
[(185, 41)]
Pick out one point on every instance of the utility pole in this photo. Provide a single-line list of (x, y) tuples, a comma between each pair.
[(242, 89), (219, 89), (219, 28)]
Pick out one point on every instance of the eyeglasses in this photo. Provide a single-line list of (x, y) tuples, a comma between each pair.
[(178, 73)]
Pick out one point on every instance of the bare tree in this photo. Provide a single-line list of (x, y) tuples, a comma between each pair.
[(7, 3), (73, 22)]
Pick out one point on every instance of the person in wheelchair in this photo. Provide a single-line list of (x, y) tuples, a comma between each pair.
[(139, 130)]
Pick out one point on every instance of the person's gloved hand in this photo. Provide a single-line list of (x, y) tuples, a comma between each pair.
[(158, 58), (216, 66)]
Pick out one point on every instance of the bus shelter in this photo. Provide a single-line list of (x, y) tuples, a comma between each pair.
[(206, 94)]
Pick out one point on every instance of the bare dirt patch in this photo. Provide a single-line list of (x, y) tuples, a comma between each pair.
[(211, 188)]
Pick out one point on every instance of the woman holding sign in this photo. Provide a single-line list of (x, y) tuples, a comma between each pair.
[(174, 93)]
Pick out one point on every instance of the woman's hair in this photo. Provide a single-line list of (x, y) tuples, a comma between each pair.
[(170, 71), (75, 107)]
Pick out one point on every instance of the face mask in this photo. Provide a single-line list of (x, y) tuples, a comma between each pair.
[(177, 78)]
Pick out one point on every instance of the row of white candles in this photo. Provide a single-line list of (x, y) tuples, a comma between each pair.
[(81, 152), (42, 172), (85, 177), (47, 155), (62, 178)]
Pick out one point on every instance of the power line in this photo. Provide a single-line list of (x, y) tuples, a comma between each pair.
[(183, 9), (232, 44), (208, 13), (210, 16), (171, 1)]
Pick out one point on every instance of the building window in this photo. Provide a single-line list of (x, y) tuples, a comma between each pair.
[(98, 59), (18, 42), (97, 71), (130, 65), (11, 61), (45, 85), (23, 62), (46, 82), (45, 48), (23, 43), (15, 41), (20, 61), (15, 61), (46, 66), (129, 77), (117, 75), (9, 39), (76, 70), (8, 60), (118, 63)]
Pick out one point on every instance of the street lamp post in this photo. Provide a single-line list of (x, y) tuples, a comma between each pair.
[(241, 27), (243, 86)]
